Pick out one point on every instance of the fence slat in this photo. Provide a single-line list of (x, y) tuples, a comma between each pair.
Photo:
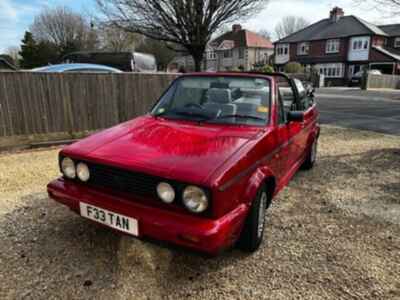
[(383, 81), (38, 103)]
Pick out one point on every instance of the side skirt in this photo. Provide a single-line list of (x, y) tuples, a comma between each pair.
[(289, 175)]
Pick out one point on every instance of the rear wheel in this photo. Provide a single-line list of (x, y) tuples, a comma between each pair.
[(311, 156), (253, 231)]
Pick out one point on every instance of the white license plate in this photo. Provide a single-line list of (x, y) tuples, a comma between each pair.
[(109, 218)]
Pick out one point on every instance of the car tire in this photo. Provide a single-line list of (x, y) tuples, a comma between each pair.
[(253, 230), (311, 156)]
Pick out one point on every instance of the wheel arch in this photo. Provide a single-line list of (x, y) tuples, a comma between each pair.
[(262, 176), (313, 136)]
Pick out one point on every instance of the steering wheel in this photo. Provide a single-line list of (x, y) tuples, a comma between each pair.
[(194, 105)]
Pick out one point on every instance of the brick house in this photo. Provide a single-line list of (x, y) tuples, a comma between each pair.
[(341, 46), (236, 49)]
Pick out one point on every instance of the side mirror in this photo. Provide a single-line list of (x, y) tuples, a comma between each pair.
[(310, 92), (295, 116)]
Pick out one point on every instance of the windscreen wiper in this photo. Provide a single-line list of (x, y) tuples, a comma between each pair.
[(240, 117), (193, 114), (201, 117)]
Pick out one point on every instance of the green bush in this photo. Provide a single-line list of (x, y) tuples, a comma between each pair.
[(238, 69), (267, 69), (294, 67), (264, 68)]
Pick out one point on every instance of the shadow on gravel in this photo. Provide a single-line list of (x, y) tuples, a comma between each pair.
[(364, 183), (83, 258)]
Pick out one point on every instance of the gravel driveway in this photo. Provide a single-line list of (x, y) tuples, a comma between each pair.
[(332, 234)]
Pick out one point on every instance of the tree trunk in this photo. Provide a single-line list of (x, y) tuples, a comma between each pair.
[(197, 55), (197, 65)]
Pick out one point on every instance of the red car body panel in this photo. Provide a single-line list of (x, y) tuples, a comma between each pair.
[(149, 145), (232, 161)]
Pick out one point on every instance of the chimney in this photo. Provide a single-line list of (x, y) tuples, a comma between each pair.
[(236, 27), (336, 13)]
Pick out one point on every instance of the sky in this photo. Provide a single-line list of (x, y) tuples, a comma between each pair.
[(17, 15)]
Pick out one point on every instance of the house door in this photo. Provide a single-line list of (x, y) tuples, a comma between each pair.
[(351, 71)]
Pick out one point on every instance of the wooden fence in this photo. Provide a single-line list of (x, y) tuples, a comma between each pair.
[(45, 104), (383, 82)]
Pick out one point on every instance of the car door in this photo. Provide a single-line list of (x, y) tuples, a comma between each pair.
[(293, 129), (280, 136), (306, 104)]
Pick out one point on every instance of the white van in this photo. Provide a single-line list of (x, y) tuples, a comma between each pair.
[(124, 61)]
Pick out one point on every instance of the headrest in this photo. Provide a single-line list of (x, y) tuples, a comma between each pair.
[(219, 85), (221, 96)]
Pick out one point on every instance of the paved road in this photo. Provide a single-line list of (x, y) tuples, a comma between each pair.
[(372, 110)]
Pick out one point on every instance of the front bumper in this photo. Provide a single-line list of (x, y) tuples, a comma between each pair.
[(205, 235)]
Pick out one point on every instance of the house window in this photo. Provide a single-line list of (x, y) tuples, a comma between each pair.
[(397, 42), (335, 70), (332, 46), (211, 55), (360, 44), (282, 49), (303, 48), (241, 53), (227, 53)]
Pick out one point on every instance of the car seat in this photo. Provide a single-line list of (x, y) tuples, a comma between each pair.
[(220, 101)]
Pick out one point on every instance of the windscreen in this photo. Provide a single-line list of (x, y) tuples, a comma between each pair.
[(220, 99)]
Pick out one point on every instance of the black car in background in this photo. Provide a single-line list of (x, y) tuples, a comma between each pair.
[(356, 79)]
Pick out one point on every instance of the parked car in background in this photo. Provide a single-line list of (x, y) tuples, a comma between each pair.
[(76, 68), (6, 65), (125, 61), (356, 79), (201, 169)]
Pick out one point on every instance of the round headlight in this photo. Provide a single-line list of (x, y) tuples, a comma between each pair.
[(68, 167), (83, 172), (195, 199), (166, 192)]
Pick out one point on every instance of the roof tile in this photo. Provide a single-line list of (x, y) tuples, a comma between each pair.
[(243, 38), (327, 29)]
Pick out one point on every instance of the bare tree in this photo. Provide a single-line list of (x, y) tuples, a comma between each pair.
[(113, 38), (64, 28), (390, 8), (189, 24), (289, 25), (264, 33)]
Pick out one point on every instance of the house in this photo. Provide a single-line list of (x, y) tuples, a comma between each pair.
[(340, 46), (237, 49)]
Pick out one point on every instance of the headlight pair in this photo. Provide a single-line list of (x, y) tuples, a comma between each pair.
[(194, 198), (81, 170)]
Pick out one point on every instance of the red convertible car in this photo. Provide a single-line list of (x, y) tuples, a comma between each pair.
[(201, 169)]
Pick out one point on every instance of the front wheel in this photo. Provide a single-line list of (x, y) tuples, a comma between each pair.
[(253, 231)]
